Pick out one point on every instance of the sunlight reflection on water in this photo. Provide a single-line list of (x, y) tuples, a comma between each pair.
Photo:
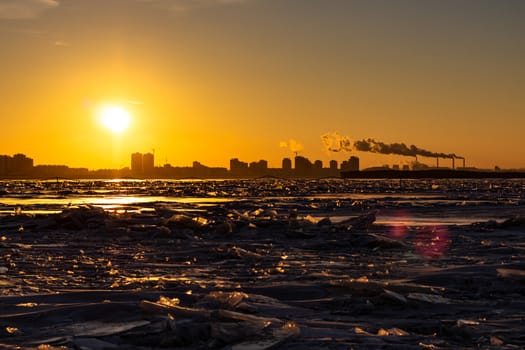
[(416, 203)]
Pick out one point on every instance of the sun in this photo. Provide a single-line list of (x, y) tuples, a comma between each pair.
[(116, 119)]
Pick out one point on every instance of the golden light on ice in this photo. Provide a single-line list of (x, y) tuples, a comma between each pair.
[(114, 118)]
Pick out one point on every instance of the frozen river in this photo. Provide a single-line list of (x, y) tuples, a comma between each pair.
[(262, 264), (406, 202)]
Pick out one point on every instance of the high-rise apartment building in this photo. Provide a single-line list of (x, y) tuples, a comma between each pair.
[(136, 163), (148, 163)]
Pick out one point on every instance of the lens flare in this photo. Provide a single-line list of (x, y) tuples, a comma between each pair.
[(399, 230), (432, 242)]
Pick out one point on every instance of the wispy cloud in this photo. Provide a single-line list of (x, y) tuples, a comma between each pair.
[(24, 31), (23, 9), (184, 6), (61, 43)]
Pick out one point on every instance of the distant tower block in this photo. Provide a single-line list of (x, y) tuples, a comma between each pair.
[(148, 161), (333, 164), (287, 163), (353, 163), (302, 163), (20, 164), (4, 164), (136, 163)]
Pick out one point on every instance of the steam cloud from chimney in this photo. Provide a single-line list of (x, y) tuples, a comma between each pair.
[(292, 145), (337, 143)]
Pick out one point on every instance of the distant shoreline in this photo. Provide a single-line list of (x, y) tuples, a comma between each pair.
[(432, 174), (359, 174)]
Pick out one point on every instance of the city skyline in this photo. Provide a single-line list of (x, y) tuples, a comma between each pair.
[(86, 83), (143, 165)]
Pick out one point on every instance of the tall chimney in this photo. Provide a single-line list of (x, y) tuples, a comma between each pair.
[(463, 163), (453, 163), (437, 162)]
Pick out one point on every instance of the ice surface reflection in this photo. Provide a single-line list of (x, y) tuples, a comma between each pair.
[(421, 202), (341, 264)]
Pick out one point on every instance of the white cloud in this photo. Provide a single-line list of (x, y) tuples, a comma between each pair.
[(23, 9)]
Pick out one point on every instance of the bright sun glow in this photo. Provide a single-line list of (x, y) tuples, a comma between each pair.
[(114, 118)]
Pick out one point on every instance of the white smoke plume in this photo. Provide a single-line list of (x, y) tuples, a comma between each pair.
[(336, 143), (292, 145)]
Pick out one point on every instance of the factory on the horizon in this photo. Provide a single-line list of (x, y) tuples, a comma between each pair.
[(143, 166)]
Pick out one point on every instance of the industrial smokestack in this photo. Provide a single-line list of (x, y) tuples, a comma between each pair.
[(337, 143), (437, 162), (453, 163), (463, 163)]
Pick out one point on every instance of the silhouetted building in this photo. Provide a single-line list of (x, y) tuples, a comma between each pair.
[(21, 164), (50, 171), (351, 165), (354, 163), (18, 164), (203, 171), (4, 164), (419, 166), (287, 164), (303, 166), (237, 167), (148, 163), (259, 168), (136, 163), (142, 163)]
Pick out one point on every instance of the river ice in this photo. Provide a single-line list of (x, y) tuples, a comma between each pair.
[(260, 264)]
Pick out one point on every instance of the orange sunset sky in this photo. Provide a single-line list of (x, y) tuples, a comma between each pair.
[(210, 80)]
